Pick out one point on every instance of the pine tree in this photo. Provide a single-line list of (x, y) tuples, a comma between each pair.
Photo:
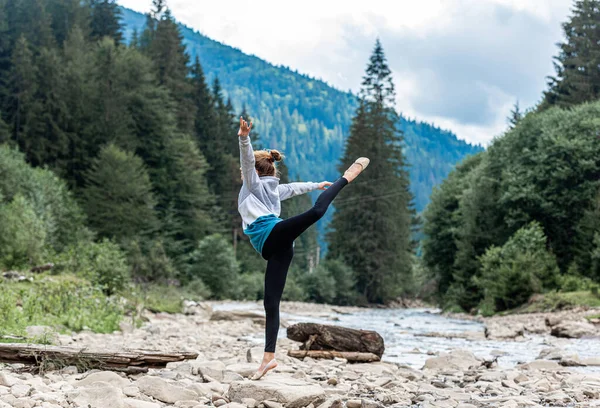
[(46, 142), (4, 132), (577, 65), (163, 43), (205, 121), (21, 105), (371, 228), (66, 15), (118, 196), (515, 116), (106, 20)]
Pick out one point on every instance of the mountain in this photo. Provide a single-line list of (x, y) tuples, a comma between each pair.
[(308, 119)]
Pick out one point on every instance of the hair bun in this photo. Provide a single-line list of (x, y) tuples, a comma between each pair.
[(276, 156)]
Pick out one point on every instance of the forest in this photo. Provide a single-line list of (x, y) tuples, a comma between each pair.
[(119, 176), (523, 217)]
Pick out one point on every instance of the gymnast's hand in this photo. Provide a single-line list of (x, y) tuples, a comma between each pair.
[(244, 128), (324, 184)]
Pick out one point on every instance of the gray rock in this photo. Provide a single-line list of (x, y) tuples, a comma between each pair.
[(291, 392), (249, 402), (7, 380), (197, 309), (164, 391), (213, 369), (131, 391), (503, 331), (243, 369), (455, 360), (20, 390), (541, 365), (136, 403), (370, 404), (353, 403), (98, 395), (126, 327), (574, 329), (219, 402), (109, 377), (230, 376), (272, 404), (42, 332)]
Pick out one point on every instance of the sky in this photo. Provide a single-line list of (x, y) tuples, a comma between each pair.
[(460, 64)]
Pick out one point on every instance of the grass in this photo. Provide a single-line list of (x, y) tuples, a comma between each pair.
[(64, 303), (160, 298), (554, 301)]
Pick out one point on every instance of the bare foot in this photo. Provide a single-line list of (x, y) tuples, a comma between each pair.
[(357, 167), (267, 365)]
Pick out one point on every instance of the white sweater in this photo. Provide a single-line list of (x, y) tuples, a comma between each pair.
[(261, 196)]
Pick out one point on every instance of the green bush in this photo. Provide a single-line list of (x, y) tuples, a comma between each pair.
[(250, 286), (48, 196), (319, 285), (23, 237), (198, 289), (103, 263), (214, 263), (517, 270), (63, 302), (345, 281), (151, 264)]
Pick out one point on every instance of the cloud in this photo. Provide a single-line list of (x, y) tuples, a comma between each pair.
[(458, 63)]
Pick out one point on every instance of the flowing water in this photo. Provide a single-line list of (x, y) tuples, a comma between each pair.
[(402, 331)]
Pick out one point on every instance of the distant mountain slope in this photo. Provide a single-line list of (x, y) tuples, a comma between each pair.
[(306, 118)]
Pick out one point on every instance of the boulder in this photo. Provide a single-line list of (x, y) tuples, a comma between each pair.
[(7, 380), (109, 377), (197, 309), (289, 391), (541, 365), (213, 369), (574, 329), (98, 395), (42, 332), (243, 369), (164, 391), (461, 360), (503, 331)]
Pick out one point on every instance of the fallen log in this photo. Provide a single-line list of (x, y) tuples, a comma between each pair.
[(353, 357), (336, 338), (61, 356), (42, 268)]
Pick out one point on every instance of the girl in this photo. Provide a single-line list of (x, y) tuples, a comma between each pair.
[(259, 204)]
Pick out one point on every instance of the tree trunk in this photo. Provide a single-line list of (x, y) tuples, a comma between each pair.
[(323, 337), (59, 356), (353, 357)]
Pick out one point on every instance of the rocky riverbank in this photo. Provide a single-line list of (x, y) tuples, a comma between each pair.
[(228, 355)]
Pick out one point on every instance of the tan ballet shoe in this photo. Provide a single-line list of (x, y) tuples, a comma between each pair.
[(259, 374), (353, 171)]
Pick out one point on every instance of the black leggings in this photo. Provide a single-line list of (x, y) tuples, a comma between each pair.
[(278, 251)]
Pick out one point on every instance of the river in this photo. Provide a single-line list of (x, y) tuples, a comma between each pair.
[(402, 331)]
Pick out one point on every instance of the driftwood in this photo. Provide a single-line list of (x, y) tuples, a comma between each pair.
[(42, 268), (130, 361), (354, 357), (336, 338)]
